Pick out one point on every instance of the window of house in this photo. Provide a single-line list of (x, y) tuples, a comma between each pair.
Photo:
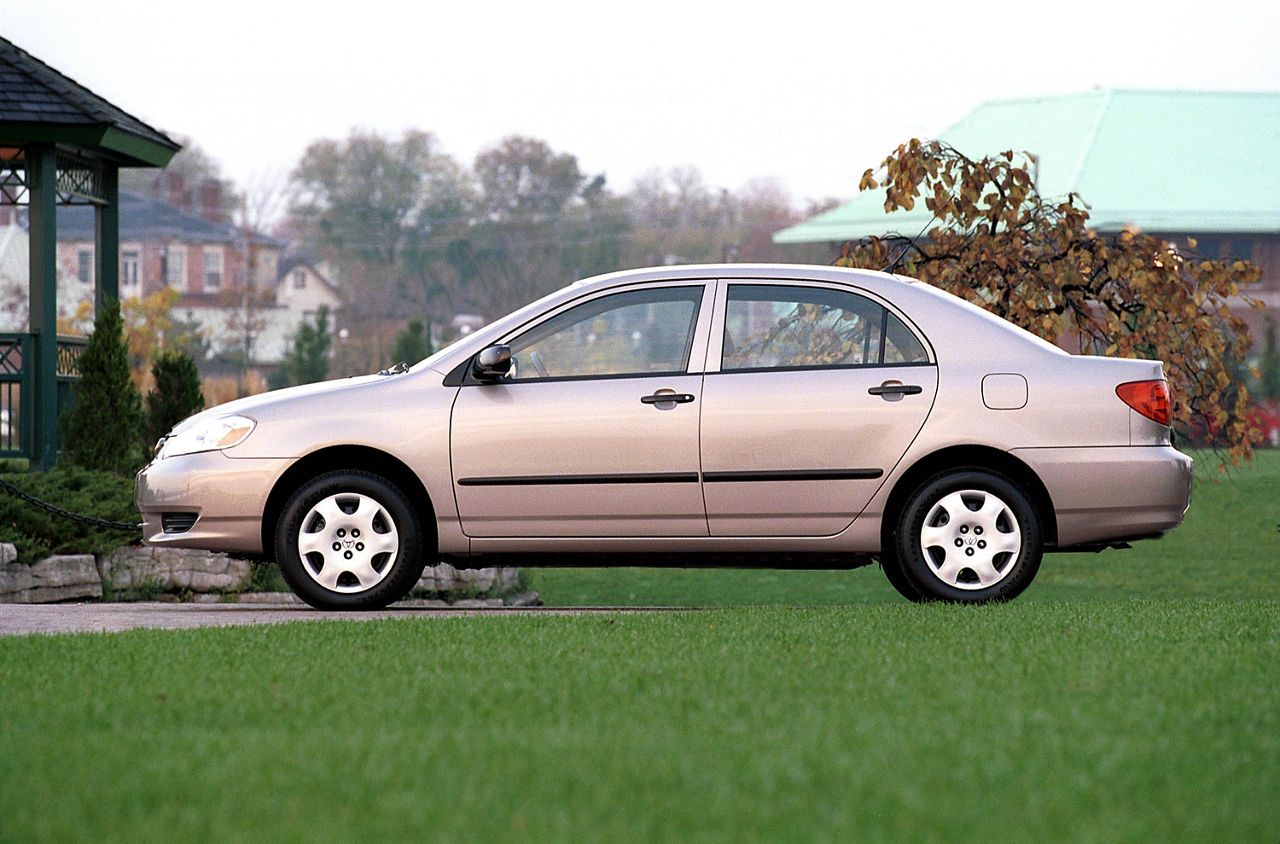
[(175, 269), (212, 269), (84, 265), (129, 261), (784, 327), (299, 279)]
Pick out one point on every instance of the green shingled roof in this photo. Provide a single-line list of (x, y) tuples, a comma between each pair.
[(1166, 161), (40, 105)]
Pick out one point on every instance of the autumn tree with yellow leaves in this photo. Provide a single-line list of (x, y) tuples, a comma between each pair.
[(996, 242)]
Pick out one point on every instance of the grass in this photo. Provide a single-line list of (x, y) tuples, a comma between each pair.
[(1128, 696), (1127, 720)]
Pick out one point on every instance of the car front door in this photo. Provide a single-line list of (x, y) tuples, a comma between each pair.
[(812, 396), (595, 431)]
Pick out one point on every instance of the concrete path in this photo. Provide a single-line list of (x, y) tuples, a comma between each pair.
[(111, 618)]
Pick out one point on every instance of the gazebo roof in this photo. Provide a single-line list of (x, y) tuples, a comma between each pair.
[(1166, 161), (40, 105)]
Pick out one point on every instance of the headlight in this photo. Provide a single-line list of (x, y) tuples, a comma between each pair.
[(213, 435)]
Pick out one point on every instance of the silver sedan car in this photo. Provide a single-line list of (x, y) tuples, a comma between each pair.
[(744, 415)]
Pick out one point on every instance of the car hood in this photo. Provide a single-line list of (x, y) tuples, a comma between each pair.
[(266, 403)]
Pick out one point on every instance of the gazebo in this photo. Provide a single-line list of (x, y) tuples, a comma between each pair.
[(60, 144)]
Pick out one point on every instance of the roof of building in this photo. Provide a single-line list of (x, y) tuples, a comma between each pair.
[(147, 218), (289, 263), (1165, 161), (39, 104)]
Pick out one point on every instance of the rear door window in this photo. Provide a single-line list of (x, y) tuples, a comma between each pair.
[(789, 327)]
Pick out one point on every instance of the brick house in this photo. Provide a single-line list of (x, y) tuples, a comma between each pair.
[(162, 244), (183, 241)]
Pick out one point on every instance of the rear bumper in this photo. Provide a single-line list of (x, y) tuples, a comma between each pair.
[(1112, 494), (227, 496)]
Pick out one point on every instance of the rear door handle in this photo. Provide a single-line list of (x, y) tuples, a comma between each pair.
[(660, 398), (890, 388)]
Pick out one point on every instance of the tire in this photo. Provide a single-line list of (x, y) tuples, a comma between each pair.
[(891, 565), (349, 540), (969, 536)]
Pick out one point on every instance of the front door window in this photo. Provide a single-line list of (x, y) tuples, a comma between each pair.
[(639, 332)]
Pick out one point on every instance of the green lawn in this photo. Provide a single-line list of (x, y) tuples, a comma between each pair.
[(1126, 697)]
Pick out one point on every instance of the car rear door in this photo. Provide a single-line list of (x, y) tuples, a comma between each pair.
[(811, 397), (595, 434)]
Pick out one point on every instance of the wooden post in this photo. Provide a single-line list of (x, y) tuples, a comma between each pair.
[(106, 231), (42, 177)]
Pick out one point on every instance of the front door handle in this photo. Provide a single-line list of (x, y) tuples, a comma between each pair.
[(894, 388), (662, 398)]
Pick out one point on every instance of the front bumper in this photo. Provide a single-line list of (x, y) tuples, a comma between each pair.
[(227, 496), (1112, 494)]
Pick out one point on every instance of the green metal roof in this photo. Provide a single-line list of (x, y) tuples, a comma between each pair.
[(1165, 161)]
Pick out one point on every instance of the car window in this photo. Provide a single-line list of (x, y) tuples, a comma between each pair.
[(781, 326), (631, 333)]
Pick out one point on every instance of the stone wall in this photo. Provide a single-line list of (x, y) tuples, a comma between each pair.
[(71, 577), (173, 570), (181, 572)]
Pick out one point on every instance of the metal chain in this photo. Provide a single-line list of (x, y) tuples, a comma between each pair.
[(89, 520)]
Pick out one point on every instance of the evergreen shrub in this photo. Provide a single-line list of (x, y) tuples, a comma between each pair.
[(176, 395), (38, 533), (101, 431)]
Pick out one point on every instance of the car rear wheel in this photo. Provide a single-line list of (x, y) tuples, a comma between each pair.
[(892, 568), (969, 536), (349, 540)]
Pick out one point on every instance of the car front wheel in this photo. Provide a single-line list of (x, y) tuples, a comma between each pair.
[(969, 536), (349, 540)]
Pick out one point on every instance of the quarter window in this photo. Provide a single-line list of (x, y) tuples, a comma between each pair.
[(779, 327), (639, 332)]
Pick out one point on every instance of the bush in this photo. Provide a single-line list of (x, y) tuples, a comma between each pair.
[(100, 431), (412, 344), (307, 360), (38, 533), (176, 396)]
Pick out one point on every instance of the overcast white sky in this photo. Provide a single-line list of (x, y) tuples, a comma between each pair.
[(811, 93)]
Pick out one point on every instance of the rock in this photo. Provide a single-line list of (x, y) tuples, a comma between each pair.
[(8, 553), (63, 577), (477, 604), (174, 570), (445, 579), (267, 598)]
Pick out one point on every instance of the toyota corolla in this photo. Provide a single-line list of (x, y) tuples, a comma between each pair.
[(741, 415)]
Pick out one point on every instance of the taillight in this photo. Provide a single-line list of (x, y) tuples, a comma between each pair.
[(1150, 398)]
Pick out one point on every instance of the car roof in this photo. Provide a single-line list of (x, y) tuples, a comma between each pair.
[(814, 272)]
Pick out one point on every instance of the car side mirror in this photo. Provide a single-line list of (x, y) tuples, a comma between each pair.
[(493, 363)]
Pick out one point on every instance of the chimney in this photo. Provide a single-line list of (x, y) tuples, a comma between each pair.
[(176, 187), (211, 201)]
